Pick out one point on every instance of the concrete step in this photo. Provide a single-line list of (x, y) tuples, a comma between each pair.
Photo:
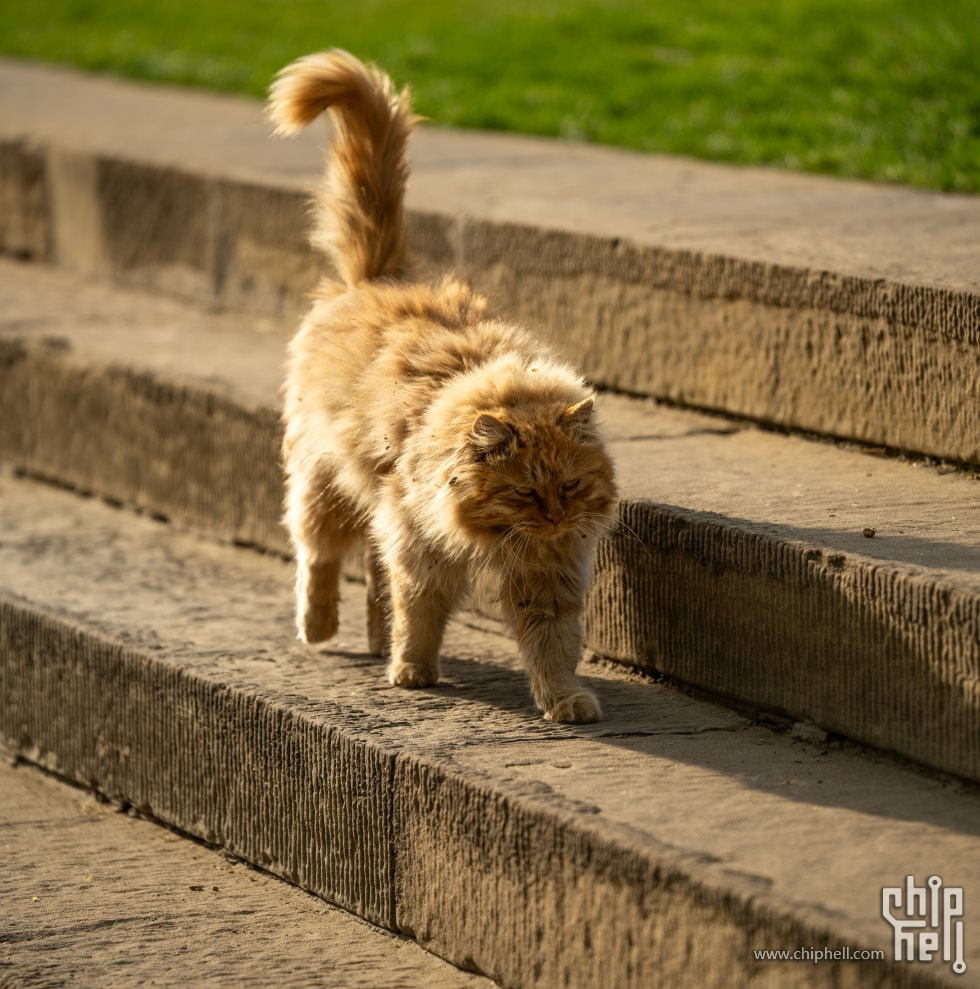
[(740, 566), (838, 307), (660, 847), (96, 898)]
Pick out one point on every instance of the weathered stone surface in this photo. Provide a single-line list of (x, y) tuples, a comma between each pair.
[(799, 222), (24, 202), (94, 897), (898, 365), (264, 261), (660, 846), (839, 307), (157, 226), (858, 647), (78, 238), (739, 564), (184, 431)]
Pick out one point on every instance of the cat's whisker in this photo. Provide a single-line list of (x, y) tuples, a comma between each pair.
[(498, 547), (618, 523), (528, 540), (517, 554), (521, 557)]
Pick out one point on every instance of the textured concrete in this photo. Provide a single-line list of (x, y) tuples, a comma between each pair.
[(763, 586), (832, 306), (91, 897), (24, 201), (805, 349), (740, 565), (656, 848), (177, 418)]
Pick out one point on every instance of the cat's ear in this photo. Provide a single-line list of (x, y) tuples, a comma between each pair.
[(489, 433), (578, 414)]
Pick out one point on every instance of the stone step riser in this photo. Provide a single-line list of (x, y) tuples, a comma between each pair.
[(854, 646), (884, 363)]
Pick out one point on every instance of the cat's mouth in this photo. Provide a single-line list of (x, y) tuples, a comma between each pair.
[(549, 530)]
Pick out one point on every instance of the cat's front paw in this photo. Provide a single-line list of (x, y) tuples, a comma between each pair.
[(412, 675), (579, 708), (316, 625)]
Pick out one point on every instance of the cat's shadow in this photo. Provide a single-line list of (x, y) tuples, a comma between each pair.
[(654, 724)]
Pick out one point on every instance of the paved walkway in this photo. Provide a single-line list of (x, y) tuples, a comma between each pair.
[(92, 898)]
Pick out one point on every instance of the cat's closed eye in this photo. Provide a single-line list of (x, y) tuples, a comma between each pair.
[(570, 485), (524, 492)]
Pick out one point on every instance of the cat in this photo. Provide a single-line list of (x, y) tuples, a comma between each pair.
[(446, 441)]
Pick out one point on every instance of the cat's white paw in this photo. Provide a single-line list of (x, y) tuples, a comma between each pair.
[(410, 675), (316, 625), (581, 707)]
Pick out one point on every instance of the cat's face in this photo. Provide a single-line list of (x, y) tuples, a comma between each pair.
[(541, 473)]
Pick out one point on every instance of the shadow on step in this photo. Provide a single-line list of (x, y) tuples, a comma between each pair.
[(658, 751), (884, 655)]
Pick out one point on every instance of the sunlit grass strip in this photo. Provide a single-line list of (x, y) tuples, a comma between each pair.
[(880, 89)]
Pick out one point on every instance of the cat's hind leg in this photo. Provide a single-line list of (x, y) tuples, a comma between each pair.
[(323, 527), (378, 604)]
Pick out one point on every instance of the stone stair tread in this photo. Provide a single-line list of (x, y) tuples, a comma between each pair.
[(95, 897), (778, 218), (926, 520), (776, 837)]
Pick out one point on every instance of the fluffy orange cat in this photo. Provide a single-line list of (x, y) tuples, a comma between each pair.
[(445, 440)]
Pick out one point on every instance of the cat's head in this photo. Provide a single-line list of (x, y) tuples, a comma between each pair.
[(537, 469)]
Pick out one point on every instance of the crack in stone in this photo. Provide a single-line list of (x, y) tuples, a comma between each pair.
[(674, 731), (705, 431)]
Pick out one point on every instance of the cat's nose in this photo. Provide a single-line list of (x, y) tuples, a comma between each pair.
[(554, 516)]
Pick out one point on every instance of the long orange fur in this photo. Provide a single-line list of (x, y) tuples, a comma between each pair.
[(447, 441)]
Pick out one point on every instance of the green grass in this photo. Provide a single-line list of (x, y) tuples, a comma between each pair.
[(880, 89)]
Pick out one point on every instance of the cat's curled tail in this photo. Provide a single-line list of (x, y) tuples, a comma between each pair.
[(359, 213)]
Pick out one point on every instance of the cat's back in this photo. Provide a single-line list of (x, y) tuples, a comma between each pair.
[(369, 362), (401, 338)]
